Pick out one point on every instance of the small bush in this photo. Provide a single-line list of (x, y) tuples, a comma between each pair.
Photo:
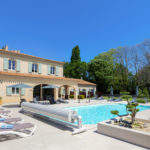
[(81, 96), (143, 93), (124, 93), (115, 112), (126, 97), (71, 96), (141, 101)]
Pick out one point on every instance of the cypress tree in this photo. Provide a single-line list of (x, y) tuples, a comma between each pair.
[(75, 54)]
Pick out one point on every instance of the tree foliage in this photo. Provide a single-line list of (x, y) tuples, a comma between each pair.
[(122, 68), (75, 68)]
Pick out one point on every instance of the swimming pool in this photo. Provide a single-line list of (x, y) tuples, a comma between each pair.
[(96, 113)]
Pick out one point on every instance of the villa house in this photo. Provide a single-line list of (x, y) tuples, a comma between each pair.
[(16, 67)]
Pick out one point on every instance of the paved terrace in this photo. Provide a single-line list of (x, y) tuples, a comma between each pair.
[(49, 135)]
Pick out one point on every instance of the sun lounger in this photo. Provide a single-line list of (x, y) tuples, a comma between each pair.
[(118, 100), (96, 97), (52, 101), (101, 98), (5, 113), (21, 130), (11, 120), (133, 101), (62, 101), (112, 99)]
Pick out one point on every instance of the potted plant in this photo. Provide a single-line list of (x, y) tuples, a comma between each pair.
[(0, 100)]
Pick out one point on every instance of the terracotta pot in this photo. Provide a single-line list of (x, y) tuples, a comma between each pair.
[(1, 102)]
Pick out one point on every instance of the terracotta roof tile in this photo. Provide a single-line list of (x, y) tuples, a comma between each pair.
[(79, 81), (21, 54)]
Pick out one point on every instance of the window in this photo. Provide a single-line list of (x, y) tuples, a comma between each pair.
[(34, 68), (15, 90), (12, 64), (52, 70)]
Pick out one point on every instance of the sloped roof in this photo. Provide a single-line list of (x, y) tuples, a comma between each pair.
[(30, 56), (79, 81)]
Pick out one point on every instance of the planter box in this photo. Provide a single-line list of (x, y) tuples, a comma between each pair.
[(126, 134)]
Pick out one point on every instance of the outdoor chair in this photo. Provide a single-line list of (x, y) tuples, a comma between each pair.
[(11, 120), (134, 100), (101, 98), (112, 99), (118, 100), (5, 113), (21, 130), (62, 101)]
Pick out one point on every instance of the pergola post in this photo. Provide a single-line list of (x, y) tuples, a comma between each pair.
[(41, 92), (75, 93)]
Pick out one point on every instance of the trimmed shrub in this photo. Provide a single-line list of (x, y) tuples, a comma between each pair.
[(71, 96), (143, 93), (126, 97), (124, 93), (81, 96), (141, 101), (115, 112)]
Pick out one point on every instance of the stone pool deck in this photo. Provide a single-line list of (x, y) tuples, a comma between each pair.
[(49, 135)]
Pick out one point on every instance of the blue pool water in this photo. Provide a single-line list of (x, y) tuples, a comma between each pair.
[(96, 113)]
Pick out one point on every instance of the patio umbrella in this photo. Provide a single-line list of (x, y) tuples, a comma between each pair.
[(20, 86), (111, 91), (50, 87)]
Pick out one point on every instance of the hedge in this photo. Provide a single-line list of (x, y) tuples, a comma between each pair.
[(71, 96)]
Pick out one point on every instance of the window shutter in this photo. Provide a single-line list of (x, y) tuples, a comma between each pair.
[(18, 65), (5, 63), (49, 69), (22, 91), (30, 67), (57, 71), (8, 91), (40, 68)]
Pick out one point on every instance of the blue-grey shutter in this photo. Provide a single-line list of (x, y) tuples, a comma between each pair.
[(40, 68), (5, 64), (18, 66), (22, 91), (30, 67), (57, 71), (8, 91), (49, 70)]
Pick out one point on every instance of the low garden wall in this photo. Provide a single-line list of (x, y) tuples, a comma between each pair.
[(126, 134)]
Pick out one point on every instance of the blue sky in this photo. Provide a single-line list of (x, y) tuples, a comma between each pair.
[(51, 28)]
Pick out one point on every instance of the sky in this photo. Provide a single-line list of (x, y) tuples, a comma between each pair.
[(51, 28)]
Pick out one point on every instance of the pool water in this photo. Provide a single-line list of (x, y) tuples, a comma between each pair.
[(96, 113)]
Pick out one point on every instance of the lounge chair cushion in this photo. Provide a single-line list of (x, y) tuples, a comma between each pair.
[(17, 127), (6, 126), (2, 119)]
